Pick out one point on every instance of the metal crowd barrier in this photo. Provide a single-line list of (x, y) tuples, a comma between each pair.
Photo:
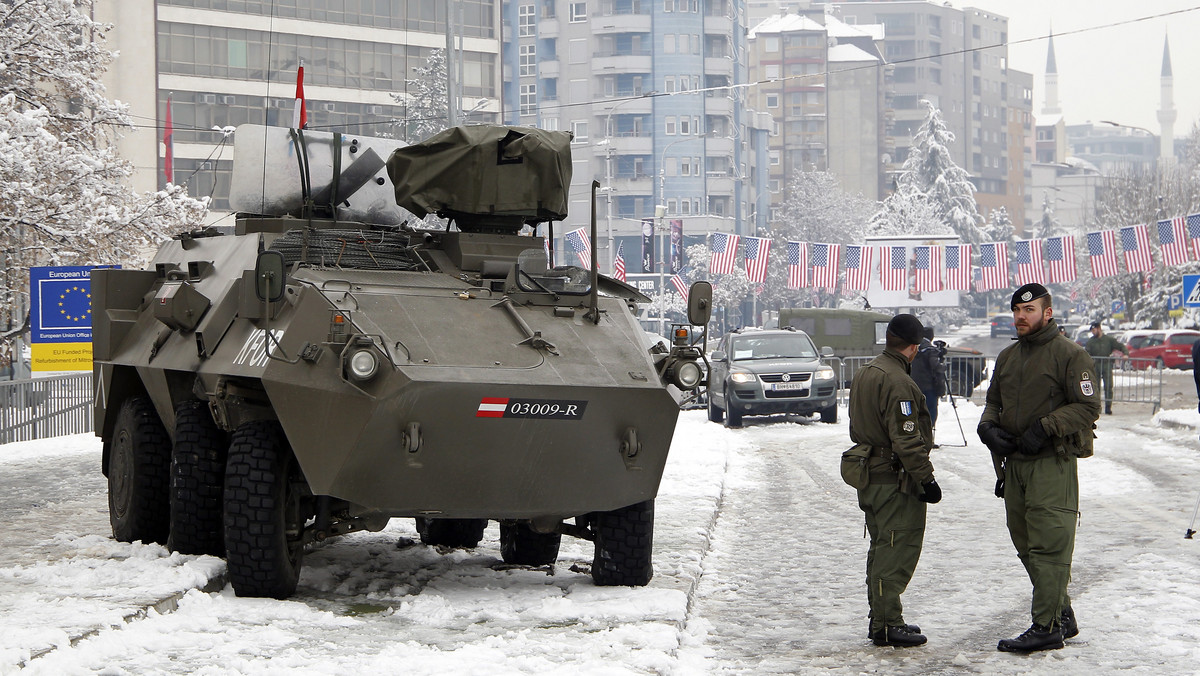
[(39, 408), (1135, 381)]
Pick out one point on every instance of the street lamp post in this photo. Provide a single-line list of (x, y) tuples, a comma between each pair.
[(1130, 126), (660, 211), (609, 151)]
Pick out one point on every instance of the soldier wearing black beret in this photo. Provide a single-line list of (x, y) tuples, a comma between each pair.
[(1041, 408)]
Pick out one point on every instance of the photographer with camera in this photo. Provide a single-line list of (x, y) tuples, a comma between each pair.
[(928, 373)]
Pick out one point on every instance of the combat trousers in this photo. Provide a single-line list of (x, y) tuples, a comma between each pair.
[(1104, 372), (1041, 502), (931, 402), (896, 523)]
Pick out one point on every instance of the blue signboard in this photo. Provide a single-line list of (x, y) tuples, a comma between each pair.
[(1175, 302), (1118, 306), (1191, 290), (60, 318)]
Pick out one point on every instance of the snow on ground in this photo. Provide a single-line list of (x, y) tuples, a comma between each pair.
[(759, 557)]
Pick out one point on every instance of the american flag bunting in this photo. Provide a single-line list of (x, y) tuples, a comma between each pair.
[(1135, 242), (756, 258), (927, 264), (1173, 241), (1029, 262), (1060, 259), (893, 267), (1193, 234), (680, 286), (958, 267), (797, 264), (581, 244), (993, 266), (858, 267), (724, 253), (1102, 252), (825, 265), (619, 263)]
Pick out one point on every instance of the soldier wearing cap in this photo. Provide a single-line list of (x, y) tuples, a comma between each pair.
[(1102, 347), (1041, 408), (888, 414)]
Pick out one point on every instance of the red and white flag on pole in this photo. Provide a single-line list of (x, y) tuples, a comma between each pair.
[(299, 116), (169, 142)]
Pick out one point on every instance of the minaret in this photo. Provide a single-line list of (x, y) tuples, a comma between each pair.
[(1166, 110), (1051, 106)]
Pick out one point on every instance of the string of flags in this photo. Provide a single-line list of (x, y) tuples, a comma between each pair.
[(1049, 260)]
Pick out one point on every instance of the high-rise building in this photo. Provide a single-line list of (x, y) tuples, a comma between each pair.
[(958, 60), (229, 62), (649, 90)]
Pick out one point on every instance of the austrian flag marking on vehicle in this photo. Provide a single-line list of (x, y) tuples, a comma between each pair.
[(541, 409), (492, 407)]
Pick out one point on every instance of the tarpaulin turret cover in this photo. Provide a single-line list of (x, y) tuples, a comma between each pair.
[(485, 169)]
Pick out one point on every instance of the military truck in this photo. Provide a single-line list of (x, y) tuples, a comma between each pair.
[(860, 333), (335, 363)]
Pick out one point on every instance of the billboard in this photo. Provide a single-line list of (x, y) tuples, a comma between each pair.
[(911, 295), (60, 318)]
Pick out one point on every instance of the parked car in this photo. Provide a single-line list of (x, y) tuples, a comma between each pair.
[(1166, 349), (1081, 334), (1002, 325), (765, 372)]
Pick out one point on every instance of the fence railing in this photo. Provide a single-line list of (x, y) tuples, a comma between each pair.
[(39, 408), (1134, 381)]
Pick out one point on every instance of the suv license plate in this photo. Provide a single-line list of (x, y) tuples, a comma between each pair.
[(782, 387)]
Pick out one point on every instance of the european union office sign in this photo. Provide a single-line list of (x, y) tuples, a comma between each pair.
[(60, 318)]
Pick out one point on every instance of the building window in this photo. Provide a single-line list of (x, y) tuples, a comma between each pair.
[(671, 208), (772, 100), (668, 5), (528, 99), (669, 84), (685, 126), (668, 43), (772, 71), (670, 129), (528, 59), (774, 158), (525, 20), (577, 51), (578, 12), (580, 129), (550, 123), (771, 44), (686, 207)]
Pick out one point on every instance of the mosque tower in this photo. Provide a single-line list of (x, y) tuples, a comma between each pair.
[(1166, 111), (1051, 107)]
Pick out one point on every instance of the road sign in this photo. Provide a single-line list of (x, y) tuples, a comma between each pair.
[(1118, 307), (1191, 290)]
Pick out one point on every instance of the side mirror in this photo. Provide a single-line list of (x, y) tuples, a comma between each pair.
[(699, 309), (718, 356), (269, 276), (827, 351)]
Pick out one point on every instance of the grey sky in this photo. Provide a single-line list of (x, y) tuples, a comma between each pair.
[(1107, 73)]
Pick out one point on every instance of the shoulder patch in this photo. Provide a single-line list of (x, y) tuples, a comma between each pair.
[(906, 407), (909, 426), (1086, 376), (1085, 386)]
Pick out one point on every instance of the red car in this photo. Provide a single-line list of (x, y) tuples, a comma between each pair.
[(1169, 349)]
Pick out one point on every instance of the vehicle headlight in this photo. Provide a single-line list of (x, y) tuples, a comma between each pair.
[(364, 364), (741, 377), (686, 375), (825, 373)]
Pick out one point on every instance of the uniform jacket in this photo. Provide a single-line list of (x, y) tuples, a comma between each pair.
[(926, 370), (1044, 376), (1104, 346), (887, 411)]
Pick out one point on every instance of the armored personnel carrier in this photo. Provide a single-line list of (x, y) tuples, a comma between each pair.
[(335, 363)]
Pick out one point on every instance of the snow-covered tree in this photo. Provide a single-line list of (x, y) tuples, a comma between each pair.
[(64, 192), (424, 99), (907, 212), (999, 226), (930, 170), (728, 290), (1048, 225)]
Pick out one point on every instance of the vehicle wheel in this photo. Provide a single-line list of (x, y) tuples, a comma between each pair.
[(451, 532), (829, 415), (139, 474), (265, 512), (715, 413), (733, 418), (521, 545), (624, 543), (197, 478)]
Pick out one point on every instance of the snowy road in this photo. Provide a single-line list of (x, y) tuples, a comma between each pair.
[(759, 561)]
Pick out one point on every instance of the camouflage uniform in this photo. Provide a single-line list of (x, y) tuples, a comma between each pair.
[(1101, 348), (1044, 376), (888, 412)]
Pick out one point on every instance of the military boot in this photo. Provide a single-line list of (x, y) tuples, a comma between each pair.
[(911, 627), (900, 637), (1067, 623), (1035, 638)]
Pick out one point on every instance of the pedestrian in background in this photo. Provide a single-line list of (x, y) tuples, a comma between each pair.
[(928, 374), (1102, 347), (1041, 408), (888, 414)]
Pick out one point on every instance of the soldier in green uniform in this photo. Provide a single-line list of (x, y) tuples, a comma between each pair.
[(888, 414), (1041, 408), (1101, 348)]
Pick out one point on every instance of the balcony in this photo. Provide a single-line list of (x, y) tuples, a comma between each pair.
[(718, 24), (718, 105), (633, 145), (548, 69), (621, 23), (719, 183), (718, 65), (719, 145), (624, 63), (547, 27)]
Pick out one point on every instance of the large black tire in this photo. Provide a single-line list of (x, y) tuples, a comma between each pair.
[(139, 470), (265, 512), (197, 479), (451, 532), (733, 418), (624, 544), (829, 415), (521, 545), (715, 413)]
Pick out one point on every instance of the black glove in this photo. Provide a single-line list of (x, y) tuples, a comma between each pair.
[(1033, 439), (931, 492), (997, 439), (999, 488)]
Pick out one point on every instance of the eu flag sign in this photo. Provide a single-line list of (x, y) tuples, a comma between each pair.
[(60, 318)]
